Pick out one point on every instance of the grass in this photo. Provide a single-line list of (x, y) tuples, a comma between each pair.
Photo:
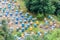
[(22, 5), (1, 37), (53, 35)]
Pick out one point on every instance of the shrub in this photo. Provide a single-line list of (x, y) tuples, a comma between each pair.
[(58, 12), (41, 6), (4, 32), (40, 16), (10, 37), (19, 34), (56, 3)]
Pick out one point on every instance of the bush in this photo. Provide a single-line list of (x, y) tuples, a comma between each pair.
[(58, 12), (10, 37), (4, 32), (19, 34), (56, 3), (40, 16), (41, 6), (58, 15)]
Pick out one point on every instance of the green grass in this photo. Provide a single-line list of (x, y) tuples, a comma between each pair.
[(22, 5), (1, 37), (53, 35)]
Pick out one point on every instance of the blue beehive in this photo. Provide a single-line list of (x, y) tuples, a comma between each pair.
[(5, 0), (6, 14), (52, 28), (35, 25), (11, 14), (3, 3), (30, 17), (23, 24), (0, 0), (1, 15), (22, 16), (24, 20), (20, 13), (20, 21), (20, 30), (10, 1), (16, 12), (0, 22), (16, 22), (17, 18), (15, 0), (23, 29), (39, 33), (46, 22), (15, 37), (27, 14), (33, 20), (3, 9), (0, 7), (45, 33), (49, 16), (26, 27), (9, 6)]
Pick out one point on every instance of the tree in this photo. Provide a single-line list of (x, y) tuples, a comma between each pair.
[(56, 3), (40, 6)]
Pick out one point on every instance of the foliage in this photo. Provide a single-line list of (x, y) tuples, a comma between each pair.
[(1, 37), (58, 12), (4, 32), (19, 34), (40, 16), (58, 18), (33, 37), (1, 33), (10, 37), (4, 26), (53, 35), (56, 3), (40, 6)]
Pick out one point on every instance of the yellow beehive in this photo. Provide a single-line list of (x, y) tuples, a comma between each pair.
[(37, 22), (46, 26), (51, 23), (31, 28), (22, 35), (57, 26)]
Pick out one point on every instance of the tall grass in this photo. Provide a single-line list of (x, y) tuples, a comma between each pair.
[(51, 35)]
